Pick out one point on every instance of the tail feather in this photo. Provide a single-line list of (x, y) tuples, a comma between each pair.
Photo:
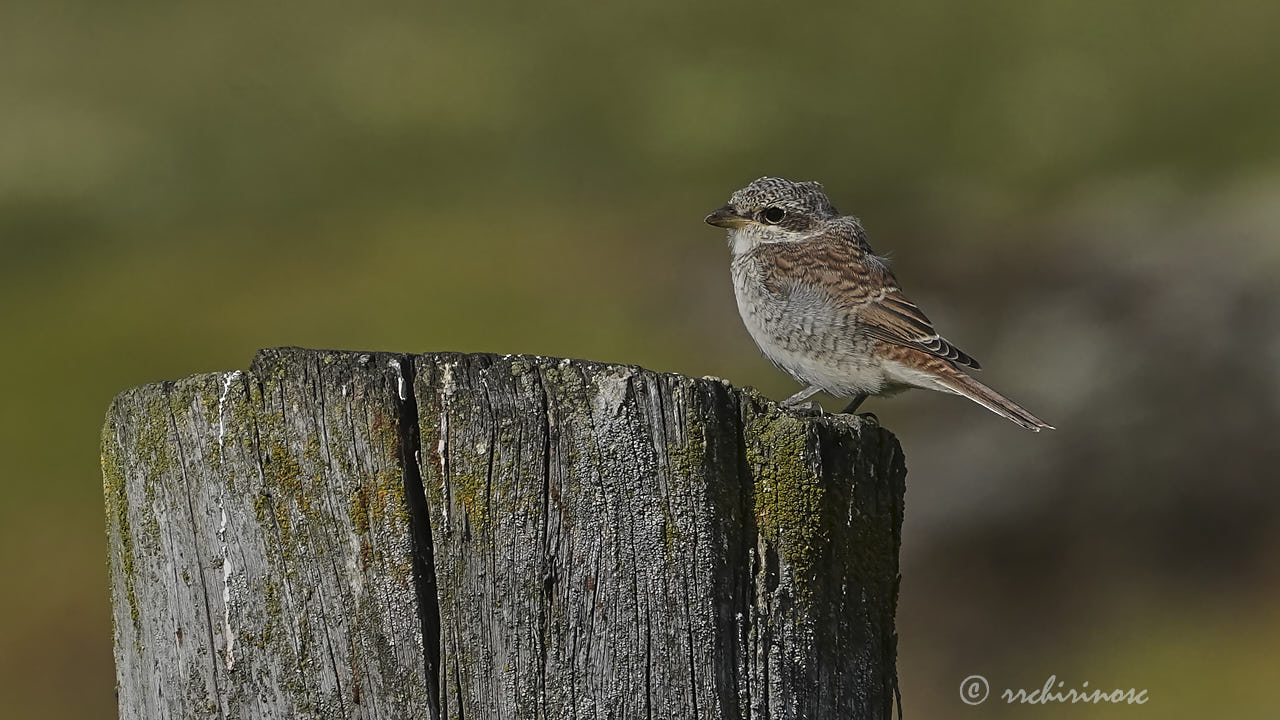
[(962, 384)]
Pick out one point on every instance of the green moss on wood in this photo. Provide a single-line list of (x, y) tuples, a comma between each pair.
[(185, 393), (391, 505), (358, 510), (115, 492), (471, 490), (431, 465), (262, 506), (376, 500), (788, 497), (686, 462), (338, 455), (358, 513), (670, 533), (313, 471), (275, 616), (243, 412), (283, 472), (153, 447), (210, 399)]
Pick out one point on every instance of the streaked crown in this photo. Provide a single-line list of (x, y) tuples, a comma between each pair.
[(801, 198)]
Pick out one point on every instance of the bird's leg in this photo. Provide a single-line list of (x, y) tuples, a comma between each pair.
[(853, 404)]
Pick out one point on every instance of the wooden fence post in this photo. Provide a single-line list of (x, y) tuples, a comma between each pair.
[(373, 535)]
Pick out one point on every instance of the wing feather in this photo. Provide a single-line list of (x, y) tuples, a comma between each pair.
[(840, 264)]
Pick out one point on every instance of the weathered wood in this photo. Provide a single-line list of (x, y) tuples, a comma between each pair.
[(471, 536)]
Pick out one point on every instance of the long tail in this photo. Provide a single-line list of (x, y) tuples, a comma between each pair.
[(962, 384)]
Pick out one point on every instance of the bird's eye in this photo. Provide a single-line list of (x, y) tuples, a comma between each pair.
[(773, 214)]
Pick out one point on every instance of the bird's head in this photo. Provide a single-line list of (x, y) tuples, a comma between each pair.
[(774, 210)]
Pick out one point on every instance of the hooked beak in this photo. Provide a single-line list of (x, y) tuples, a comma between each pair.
[(726, 217)]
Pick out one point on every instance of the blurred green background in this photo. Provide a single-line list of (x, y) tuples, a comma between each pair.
[(1085, 196)]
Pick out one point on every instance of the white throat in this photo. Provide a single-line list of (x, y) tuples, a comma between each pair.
[(747, 238)]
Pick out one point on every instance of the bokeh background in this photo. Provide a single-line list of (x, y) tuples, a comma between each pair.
[(1084, 195)]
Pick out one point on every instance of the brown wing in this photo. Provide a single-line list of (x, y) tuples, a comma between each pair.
[(896, 319), (841, 265)]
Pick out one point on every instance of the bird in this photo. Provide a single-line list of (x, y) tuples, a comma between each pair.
[(824, 308)]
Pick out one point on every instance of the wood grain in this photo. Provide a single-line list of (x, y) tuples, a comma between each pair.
[(341, 534)]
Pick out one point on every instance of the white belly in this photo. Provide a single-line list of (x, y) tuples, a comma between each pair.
[(839, 377)]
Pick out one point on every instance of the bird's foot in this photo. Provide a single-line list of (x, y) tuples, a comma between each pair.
[(808, 409)]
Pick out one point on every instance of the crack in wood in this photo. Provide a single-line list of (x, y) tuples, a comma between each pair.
[(424, 568)]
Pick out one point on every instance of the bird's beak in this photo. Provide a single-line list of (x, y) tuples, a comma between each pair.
[(726, 217)]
